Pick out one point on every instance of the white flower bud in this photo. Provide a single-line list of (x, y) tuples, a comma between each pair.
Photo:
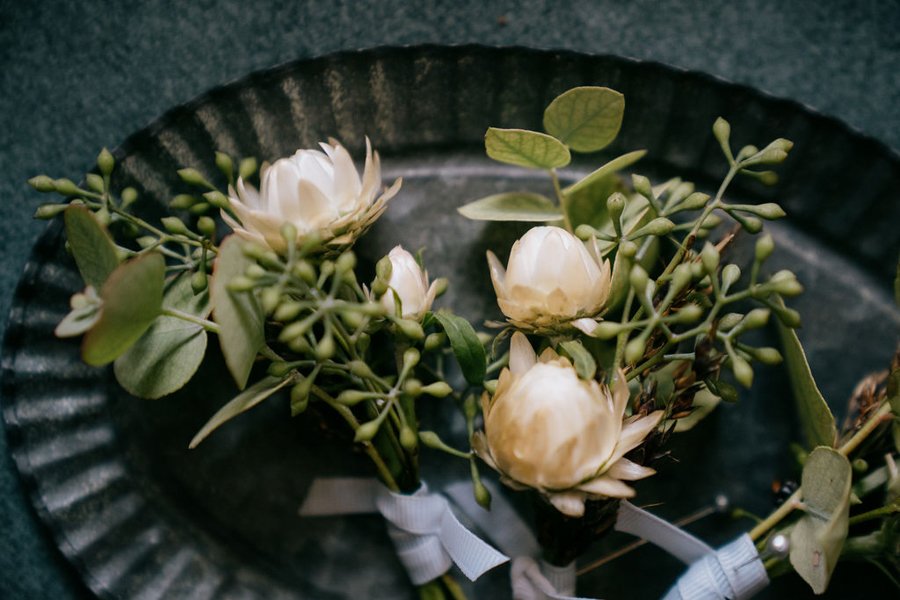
[(320, 193), (545, 428), (551, 278), (410, 283)]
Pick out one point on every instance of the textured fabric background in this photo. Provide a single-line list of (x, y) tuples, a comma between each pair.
[(75, 76)]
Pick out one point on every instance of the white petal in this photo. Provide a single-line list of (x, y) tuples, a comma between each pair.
[(634, 432), (498, 274), (568, 503), (587, 326), (607, 487), (620, 395), (628, 470), (521, 355)]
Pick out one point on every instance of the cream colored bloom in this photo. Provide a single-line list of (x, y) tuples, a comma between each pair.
[(551, 278), (547, 429), (410, 283), (319, 192)]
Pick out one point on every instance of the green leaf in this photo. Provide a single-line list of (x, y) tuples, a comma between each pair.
[(466, 346), (238, 314), (165, 358), (817, 538), (584, 363), (586, 118), (512, 206), (243, 402), (525, 148), (610, 168), (815, 417), (132, 299), (93, 249)]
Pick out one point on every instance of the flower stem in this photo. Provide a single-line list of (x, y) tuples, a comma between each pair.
[(206, 324), (563, 203)]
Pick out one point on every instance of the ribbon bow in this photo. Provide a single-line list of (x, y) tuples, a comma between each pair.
[(531, 579), (426, 534)]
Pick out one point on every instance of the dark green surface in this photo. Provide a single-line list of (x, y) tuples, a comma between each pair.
[(78, 76)]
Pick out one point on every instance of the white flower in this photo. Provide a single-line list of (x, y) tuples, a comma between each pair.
[(410, 283), (547, 429), (319, 192), (551, 278)]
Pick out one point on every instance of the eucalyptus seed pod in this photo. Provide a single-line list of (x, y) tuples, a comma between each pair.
[(438, 389), (287, 311), (182, 202), (42, 183), (730, 274), (606, 330), (305, 272), (66, 187), (352, 397), (433, 341), (634, 349), (411, 358), (639, 279), (709, 257), (193, 177), (743, 372), (300, 396), (642, 185), (207, 227), (411, 330), (756, 318), (326, 347), (199, 281), (174, 225), (408, 439), (270, 298), (367, 431), (615, 205), (95, 183), (254, 271), (765, 245), (722, 131), (225, 165), (413, 387)]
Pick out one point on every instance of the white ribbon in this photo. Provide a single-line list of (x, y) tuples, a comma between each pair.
[(426, 534), (734, 572), (428, 537), (531, 579), (659, 532)]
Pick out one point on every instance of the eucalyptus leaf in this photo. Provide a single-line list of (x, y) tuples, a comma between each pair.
[(238, 314), (815, 416), (165, 358), (512, 206), (132, 299), (608, 169), (243, 402), (817, 538), (525, 148), (466, 346), (86, 310), (585, 118), (93, 249), (584, 363)]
